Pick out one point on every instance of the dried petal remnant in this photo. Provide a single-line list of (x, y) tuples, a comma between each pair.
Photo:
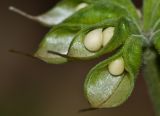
[(81, 6)]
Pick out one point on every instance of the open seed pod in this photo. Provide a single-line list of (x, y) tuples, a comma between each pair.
[(68, 41), (57, 14), (112, 34), (108, 85)]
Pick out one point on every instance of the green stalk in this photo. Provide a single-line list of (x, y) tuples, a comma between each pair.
[(152, 78)]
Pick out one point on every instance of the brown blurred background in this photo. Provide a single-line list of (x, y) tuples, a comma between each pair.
[(30, 87)]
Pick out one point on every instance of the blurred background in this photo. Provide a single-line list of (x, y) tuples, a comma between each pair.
[(30, 87)]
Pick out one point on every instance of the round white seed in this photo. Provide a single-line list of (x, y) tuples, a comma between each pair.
[(81, 6), (116, 67), (107, 35), (93, 40)]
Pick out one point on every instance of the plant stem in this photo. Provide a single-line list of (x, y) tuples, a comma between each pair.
[(152, 78)]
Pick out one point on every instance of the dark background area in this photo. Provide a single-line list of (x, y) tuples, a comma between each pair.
[(30, 87)]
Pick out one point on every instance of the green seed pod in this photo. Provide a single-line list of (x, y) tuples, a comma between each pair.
[(105, 90), (156, 40), (61, 11)]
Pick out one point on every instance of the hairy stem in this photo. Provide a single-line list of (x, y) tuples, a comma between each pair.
[(152, 78)]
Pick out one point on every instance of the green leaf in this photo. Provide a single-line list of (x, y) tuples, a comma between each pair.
[(151, 13), (123, 28), (104, 90), (156, 40), (57, 40)]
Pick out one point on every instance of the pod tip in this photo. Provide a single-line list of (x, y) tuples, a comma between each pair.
[(22, 13)]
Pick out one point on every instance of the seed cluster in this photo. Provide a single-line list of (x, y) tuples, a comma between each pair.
[(98, 38)]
